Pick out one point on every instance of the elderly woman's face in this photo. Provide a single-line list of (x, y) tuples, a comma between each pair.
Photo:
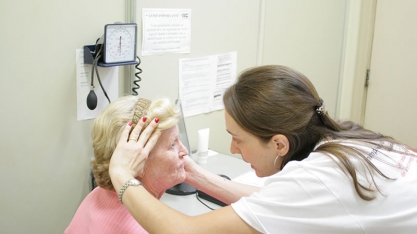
[(165, 165)]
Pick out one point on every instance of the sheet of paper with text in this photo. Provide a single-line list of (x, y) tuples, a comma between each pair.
[(203, 81), (166, 31)]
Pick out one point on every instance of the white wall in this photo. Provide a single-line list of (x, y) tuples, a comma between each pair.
[(45, 151), (217, 27), (308, 36)]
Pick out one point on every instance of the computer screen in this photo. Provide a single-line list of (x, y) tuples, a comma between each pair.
[(182, 128)]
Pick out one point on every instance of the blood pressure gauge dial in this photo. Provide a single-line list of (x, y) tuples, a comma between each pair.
[(119, 43)]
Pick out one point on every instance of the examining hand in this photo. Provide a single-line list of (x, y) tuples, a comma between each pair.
[(193, 172), (128, 159), (189, 165)]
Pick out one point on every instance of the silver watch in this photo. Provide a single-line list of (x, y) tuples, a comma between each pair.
[(128, 183)]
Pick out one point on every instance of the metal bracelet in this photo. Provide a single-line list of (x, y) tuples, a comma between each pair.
[(128, 183)]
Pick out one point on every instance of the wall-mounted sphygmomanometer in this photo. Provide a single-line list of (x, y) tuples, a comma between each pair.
[(117, 47)]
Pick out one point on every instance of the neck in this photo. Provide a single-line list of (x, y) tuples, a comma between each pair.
[(153, 188)]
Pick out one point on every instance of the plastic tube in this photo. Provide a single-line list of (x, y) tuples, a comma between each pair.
[(203, 142)]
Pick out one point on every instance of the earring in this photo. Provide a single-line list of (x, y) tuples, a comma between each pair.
[(276, 161)]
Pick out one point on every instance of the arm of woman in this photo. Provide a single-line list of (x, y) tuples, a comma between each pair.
[(223, 189), (128, 161), (156, 217)]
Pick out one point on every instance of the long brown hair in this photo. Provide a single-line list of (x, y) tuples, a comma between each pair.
[(274, 99)]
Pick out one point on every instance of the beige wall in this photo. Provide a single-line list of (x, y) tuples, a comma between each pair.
[(308, 36), (233, 27), (45, 151)]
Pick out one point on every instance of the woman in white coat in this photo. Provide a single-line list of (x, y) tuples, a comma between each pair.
[(326, 176)]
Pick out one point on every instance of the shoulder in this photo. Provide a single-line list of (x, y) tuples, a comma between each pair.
[(101, 212), (316, 161), (98, 194), (294, 194)]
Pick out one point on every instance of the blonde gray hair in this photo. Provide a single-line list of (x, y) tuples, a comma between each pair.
[(109, 124)]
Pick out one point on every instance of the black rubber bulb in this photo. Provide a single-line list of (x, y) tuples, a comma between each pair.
[(92, 100)]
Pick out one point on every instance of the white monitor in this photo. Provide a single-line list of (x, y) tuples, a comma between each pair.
[(182, 128)]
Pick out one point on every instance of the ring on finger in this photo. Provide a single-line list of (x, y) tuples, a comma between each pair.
[(133, 139)]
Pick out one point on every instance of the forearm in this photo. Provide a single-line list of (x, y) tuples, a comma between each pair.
[(153, 215), (219, 187)]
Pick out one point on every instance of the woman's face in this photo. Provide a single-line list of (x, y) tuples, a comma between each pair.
[(165, 165), (260, 155)]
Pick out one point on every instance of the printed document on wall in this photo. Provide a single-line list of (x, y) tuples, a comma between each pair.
[(166, 31), (203, 81)]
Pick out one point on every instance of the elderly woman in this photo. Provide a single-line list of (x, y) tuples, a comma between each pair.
[(101, 211)]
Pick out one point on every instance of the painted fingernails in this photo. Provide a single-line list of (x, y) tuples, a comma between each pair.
[(130, 123), (144, 119), (156, 120)]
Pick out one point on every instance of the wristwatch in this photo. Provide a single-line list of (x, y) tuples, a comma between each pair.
[(128, 183)]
